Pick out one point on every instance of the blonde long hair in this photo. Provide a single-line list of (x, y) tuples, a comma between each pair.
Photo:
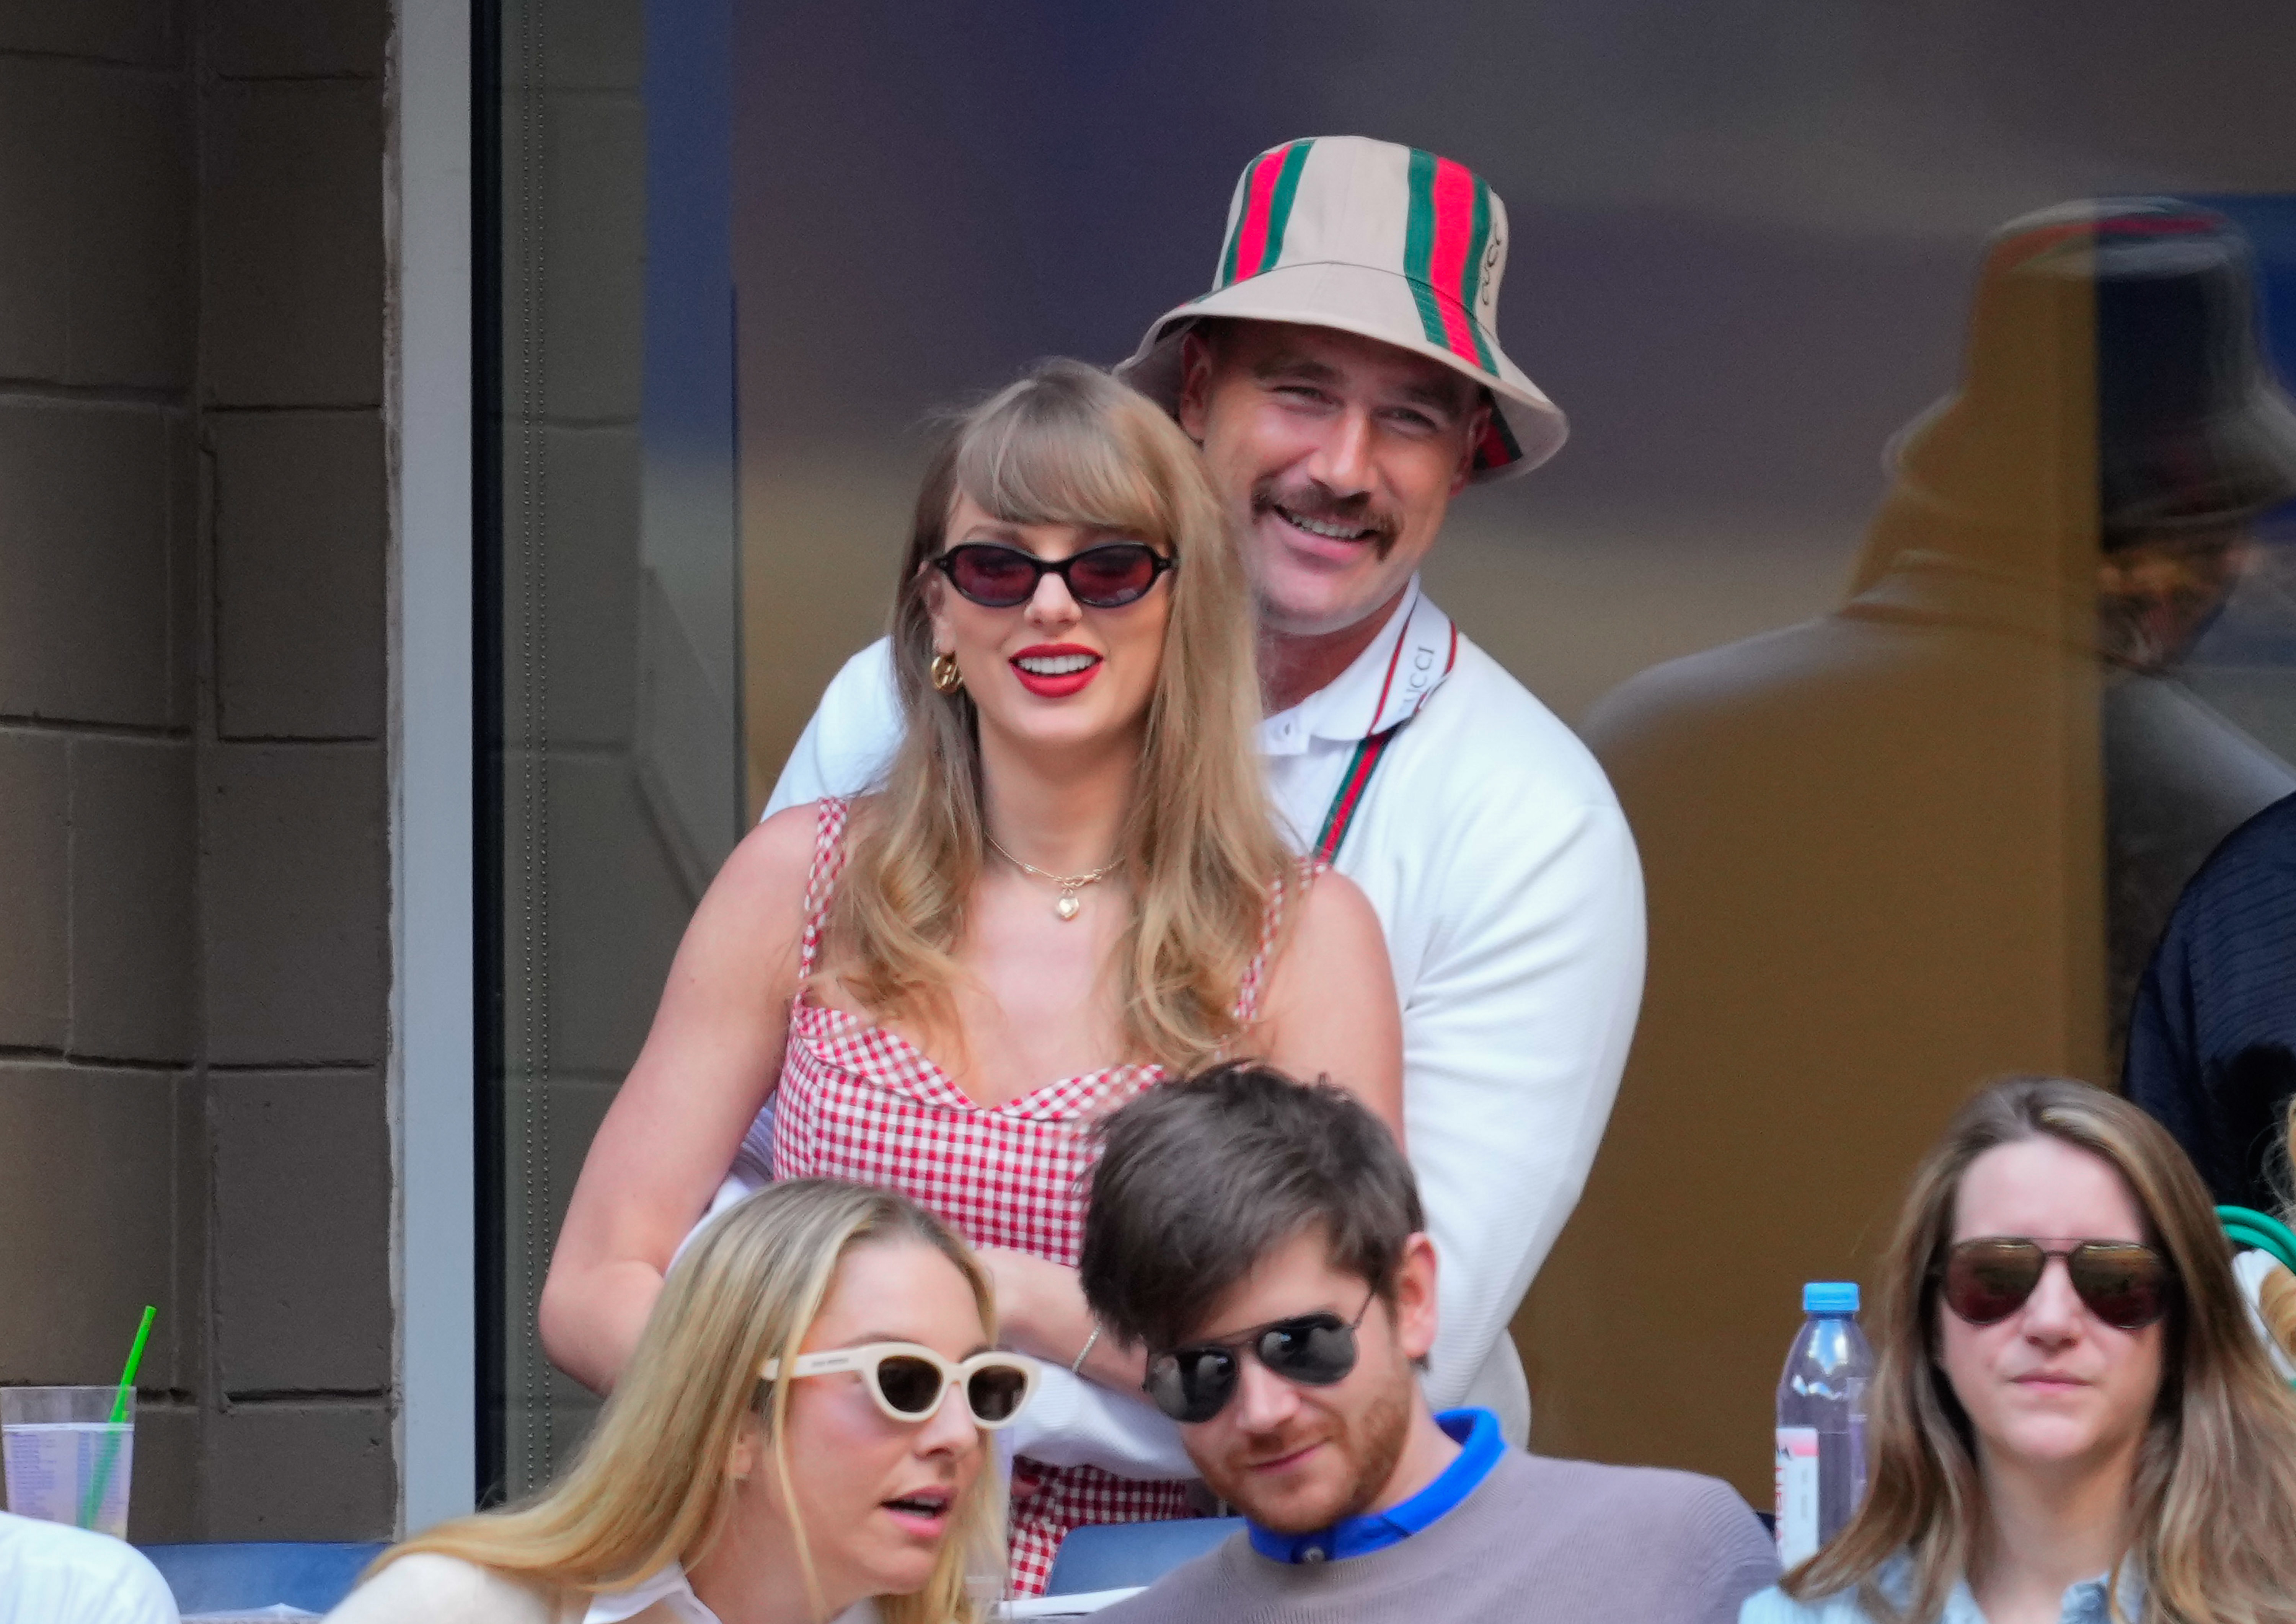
[(653, 1484), (2276, 1303), (2213, 1503), (1069, 445), (2275, 1299)]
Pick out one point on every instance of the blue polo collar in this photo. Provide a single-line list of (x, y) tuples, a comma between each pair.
[(1476, 1431)]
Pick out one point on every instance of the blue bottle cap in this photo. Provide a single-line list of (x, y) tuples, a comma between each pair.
[(1830, 1297)]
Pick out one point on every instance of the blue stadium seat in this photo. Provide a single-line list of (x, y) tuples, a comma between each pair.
[(242, 1578), (1115, 1555)]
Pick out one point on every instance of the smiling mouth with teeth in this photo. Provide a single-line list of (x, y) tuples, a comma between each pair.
[(1055, 665), (1331, 530)]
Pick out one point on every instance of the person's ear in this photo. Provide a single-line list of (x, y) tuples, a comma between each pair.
[(936, 601), (1195, 384), (1414, 1297), (1479, 422), (749, 1451)]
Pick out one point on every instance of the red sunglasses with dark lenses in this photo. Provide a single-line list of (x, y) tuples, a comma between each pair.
[(2125, 1285), (1103, 577)]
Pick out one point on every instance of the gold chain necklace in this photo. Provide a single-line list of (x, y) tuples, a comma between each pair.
[(1070, 884)]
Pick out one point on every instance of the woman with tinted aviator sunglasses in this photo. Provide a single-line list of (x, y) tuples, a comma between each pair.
[(1070, 886), (2070, 1417), (861, 1491)]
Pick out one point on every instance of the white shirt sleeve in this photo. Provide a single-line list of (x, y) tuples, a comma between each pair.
[(431, 1588), (1071, 1421), (848, 744), (1515, 1036), (52, 1574)]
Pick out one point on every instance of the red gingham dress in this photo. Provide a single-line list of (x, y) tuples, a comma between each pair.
[(859, 1102)]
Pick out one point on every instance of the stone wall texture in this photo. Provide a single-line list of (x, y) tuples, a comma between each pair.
[(194, 907)]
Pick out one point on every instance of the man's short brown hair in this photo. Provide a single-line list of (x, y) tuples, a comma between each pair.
[(1201, 1178)]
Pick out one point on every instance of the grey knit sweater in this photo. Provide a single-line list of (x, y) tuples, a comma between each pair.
[(1557, 1541)]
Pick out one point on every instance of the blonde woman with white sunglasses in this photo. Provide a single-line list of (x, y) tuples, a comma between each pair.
[(716, 1491)]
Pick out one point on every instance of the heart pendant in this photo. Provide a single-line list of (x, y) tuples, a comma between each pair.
[(1068, 905)]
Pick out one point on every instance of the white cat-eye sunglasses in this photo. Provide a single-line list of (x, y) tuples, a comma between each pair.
[(909, 1382)]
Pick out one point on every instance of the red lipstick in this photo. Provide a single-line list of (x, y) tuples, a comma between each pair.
[(1062, 669)]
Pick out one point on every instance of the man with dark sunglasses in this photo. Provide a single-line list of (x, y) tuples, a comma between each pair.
[(1262, 1240), (1345, 379)]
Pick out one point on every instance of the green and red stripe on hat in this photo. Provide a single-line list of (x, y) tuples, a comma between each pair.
[(1255, 239)]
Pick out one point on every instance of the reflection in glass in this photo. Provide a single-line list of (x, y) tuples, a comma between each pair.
[(615, 737), (1931, 836)]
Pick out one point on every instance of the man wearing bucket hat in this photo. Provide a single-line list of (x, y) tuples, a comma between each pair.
[(1345, 379)]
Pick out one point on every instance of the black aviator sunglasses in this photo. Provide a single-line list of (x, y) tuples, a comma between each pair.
[(1194, 1384), (1103, 577)]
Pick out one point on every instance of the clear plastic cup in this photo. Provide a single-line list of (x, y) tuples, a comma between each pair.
[(66, 1461)]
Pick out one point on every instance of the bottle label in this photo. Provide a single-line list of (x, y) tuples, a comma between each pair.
[(1797, 1466)]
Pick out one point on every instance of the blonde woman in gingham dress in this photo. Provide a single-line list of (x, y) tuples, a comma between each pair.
[(1071, 872)]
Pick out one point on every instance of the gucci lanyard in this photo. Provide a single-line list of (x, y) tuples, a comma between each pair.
[(1355, 781)]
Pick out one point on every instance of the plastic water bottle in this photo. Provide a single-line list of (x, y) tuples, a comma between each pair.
[(1821, 1461)]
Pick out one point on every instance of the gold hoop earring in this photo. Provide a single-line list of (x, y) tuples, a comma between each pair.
[(946, 677)]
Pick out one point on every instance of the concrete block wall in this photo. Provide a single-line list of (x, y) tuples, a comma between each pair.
[(294, 857), (103, 1136), (194, 911)]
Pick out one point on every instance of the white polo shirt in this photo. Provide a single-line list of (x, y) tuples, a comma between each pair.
[(52, 1574), (1502, 870)]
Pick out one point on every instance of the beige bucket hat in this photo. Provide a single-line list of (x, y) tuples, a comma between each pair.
[(1375, 239)]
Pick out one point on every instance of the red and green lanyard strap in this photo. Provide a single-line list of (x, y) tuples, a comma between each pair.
[(1355, 781)]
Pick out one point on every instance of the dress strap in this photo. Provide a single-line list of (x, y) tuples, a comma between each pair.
[(1293, 880), (820, 880)]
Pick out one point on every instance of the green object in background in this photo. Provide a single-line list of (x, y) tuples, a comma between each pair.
[(118, 1415), (2246, 1226)]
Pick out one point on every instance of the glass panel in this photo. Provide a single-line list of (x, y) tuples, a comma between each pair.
[(1836, 640), (617, 648), (1887, 833)]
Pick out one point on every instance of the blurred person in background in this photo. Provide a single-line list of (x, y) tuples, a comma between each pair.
[(1069, 886), (53, 1574), (1345, 380), (1264, 1241), (800, 1436), (2070, 1417)]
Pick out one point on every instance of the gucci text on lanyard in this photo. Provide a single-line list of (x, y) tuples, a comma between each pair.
[(1356, 779)]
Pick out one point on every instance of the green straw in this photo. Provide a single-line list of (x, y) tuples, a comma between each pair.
[(94, 1500)]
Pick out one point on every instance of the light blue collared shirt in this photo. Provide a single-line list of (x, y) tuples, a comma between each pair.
[(1476, 1431), (2084, 1603)]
